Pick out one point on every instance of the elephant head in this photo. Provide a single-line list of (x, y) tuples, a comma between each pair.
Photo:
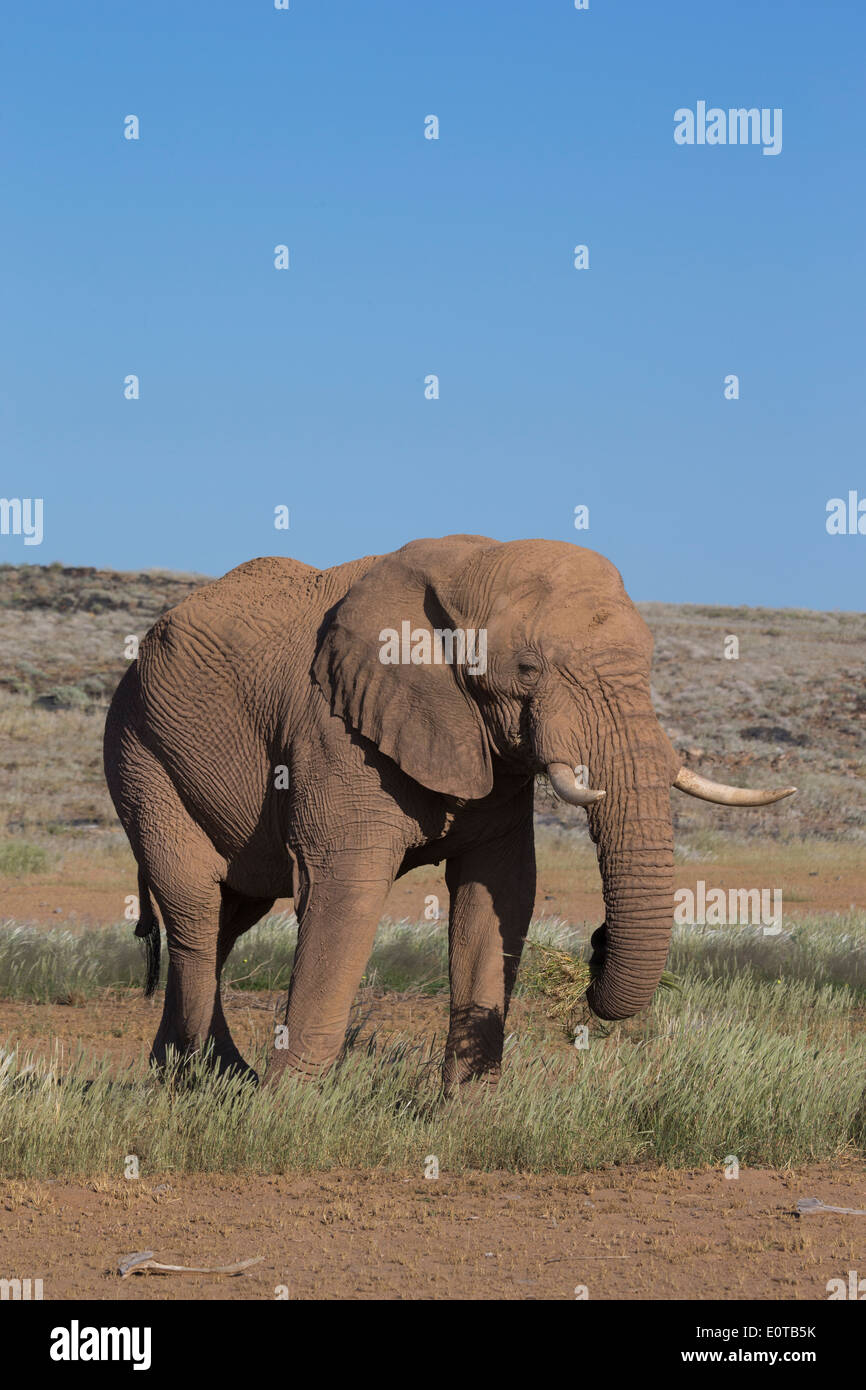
[(565, 686)]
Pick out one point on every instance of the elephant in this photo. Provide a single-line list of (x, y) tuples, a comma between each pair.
[(272, 740)]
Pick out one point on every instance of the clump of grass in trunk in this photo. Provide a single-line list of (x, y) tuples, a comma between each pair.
[(562, 979)]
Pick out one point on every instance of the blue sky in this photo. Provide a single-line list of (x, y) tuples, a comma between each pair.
[(409, 256)]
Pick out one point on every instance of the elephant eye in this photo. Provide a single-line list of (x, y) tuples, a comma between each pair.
[(528, 671)]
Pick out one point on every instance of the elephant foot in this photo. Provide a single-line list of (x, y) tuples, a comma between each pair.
[(239, 1069), (473, 1094), (169, 1061), (283, 1064), (473, 1052)]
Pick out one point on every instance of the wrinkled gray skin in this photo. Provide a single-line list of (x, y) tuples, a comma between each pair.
[(389, 767)]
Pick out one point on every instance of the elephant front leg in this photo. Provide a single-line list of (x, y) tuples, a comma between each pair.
[(492, 892), (337, 925)]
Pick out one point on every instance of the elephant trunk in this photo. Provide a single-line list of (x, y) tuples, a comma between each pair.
[(632, 828), (633, 831), (630, 950)]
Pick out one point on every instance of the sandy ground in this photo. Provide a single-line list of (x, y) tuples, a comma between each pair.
[(95, 893), (122, 1028), (624, 1234)]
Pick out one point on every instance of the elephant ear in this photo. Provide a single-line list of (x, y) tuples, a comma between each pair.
[(421, 716)]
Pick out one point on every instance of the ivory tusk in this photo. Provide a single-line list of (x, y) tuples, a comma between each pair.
[(565, 785), (723, 795)]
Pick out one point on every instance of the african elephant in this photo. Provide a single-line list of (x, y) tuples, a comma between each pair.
[(272, 740)]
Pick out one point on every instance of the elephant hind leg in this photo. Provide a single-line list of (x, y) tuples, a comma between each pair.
[(200, 940), (237, 914), (193, 1013), (184, 872)]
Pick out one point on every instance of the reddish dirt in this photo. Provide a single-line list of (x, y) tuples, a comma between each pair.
[(626, 1234), (96, 895), (121, 1027)]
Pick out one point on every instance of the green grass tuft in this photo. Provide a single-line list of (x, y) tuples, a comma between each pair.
[(17, 858)]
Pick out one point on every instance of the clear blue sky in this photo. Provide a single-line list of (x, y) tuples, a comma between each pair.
[(558, 387)]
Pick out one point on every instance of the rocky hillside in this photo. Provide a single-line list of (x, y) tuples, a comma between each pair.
[(790, 707)]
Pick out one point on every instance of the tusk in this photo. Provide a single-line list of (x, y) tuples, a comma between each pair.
[(724, 795), (568, 789)]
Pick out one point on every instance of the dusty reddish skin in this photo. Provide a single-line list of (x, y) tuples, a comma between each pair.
[(389, 767)]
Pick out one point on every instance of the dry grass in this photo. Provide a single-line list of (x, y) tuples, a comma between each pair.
[(761, 1054), (561, 978)]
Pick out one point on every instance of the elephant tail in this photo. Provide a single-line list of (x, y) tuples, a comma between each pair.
[(148, 929)]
